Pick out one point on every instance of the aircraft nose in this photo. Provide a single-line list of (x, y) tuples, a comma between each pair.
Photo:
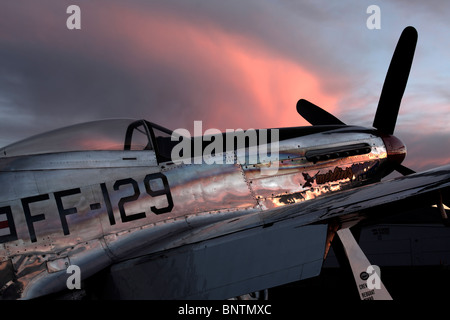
[(396, 149)]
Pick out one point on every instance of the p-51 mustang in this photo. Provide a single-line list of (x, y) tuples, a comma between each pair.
[(107, 197)]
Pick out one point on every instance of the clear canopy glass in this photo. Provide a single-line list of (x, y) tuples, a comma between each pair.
[(95, 135)]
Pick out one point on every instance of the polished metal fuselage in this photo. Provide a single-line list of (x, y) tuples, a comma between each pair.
[(94, 208)]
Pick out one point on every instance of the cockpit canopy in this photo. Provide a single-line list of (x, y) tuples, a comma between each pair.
[(112, 134)]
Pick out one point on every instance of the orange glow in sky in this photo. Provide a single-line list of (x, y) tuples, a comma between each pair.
[(229, 71), (232, 65)]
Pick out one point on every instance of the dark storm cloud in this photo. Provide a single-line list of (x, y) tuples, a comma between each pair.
[(55, 76), (229, 63), (51, 76), (53, 88), (54, 80)]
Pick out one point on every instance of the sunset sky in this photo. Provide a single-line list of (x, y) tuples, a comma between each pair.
[(232, 64)]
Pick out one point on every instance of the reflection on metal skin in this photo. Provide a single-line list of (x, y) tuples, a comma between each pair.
[(94, 208)]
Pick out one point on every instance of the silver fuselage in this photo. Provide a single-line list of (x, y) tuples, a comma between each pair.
[(94, 208)]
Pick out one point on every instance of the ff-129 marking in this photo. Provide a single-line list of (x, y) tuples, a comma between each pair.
[(64, 212)]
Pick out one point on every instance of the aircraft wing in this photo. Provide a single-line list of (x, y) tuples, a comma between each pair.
[(260, 250), (377, 200)]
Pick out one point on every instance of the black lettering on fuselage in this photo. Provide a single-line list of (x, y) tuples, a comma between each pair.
[(107, 200), (62, 211), (32, 219), (7, 225), (155, 193), (122, 201), (9, 230)]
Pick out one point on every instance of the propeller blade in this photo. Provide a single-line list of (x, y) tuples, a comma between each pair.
[(395, 82), (360, 266), (403, 170), (316, 115)]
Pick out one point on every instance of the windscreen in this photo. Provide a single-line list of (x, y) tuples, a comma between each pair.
[(96, 135)]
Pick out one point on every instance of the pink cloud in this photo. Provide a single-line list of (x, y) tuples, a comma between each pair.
[(238, 81)]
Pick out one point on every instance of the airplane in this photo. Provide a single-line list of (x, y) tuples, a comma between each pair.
[(107, 198)]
